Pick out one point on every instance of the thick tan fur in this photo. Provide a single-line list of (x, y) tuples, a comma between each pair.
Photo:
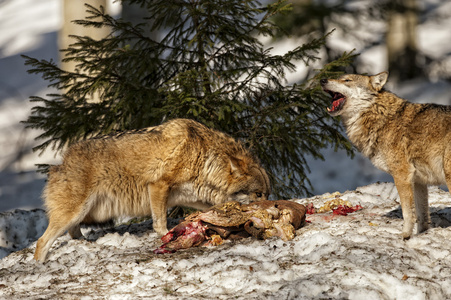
[(412, 142), (144, 172)]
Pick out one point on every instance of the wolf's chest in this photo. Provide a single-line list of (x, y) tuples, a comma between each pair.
[(367, 141), (380, 162)]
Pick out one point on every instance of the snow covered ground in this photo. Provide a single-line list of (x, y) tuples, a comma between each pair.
[(30, 27), (358, 256)]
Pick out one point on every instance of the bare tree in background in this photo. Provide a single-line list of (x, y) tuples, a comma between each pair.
[(401, 39), (76, 10), (401, 17)]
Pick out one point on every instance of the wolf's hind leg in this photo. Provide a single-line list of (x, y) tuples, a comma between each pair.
[(421, 207), (54, 230), (447, 168), (59, 222)]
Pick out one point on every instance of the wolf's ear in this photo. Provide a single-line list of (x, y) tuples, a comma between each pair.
[(378, 81), (237, 166)]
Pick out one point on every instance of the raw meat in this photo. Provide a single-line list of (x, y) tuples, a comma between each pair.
[(232, 220)]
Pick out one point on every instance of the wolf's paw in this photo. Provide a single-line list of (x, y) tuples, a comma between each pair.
[(406, 236), (422, 227), (407, 230), (75, 232), (161, 231)]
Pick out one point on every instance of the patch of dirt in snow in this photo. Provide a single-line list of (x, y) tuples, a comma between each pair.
[(357, 256)]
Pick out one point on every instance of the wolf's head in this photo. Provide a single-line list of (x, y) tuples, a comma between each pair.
[(351, 92), (247, 181), (230, 173)]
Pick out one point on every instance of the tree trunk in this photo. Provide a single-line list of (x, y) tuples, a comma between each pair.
[(76, 10), (402, 40)]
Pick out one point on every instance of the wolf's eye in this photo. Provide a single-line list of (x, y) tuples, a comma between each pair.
[(258, 195), (348, 80)]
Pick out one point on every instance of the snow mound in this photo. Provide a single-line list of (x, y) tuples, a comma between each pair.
[(357, 256), (20, 228)]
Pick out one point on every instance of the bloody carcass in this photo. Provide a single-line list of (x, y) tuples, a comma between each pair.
[(232, 220)]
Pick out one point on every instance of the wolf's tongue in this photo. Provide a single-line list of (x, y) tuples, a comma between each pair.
[(338, 100), (337, 103)]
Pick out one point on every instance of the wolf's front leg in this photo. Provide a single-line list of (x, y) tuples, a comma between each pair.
[(159, 193), (405, 191)]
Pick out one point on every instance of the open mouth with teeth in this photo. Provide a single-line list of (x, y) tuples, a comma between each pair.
[(338, 100)]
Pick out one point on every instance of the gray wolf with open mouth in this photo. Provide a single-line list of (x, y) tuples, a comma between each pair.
[(411, 142)]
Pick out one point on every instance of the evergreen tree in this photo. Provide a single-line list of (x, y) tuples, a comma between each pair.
[(210, 66)]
